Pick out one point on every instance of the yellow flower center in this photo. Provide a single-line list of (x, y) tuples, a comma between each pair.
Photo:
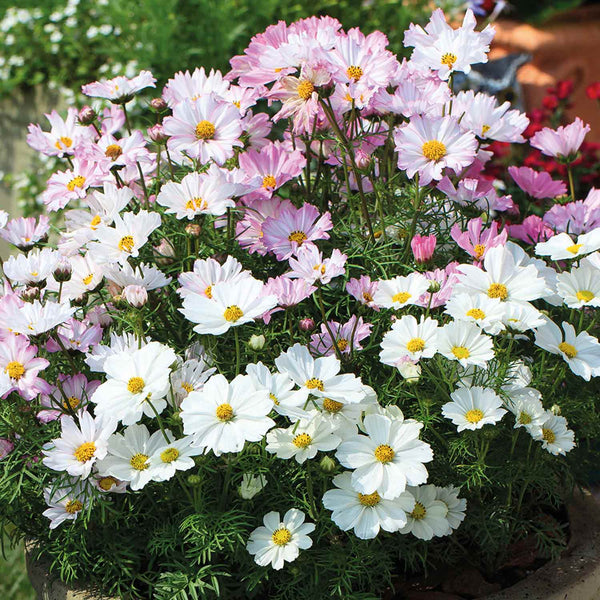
[(96, 220), (401, 297), (15, 369), (461, 352), (548, 435), (434, 150), (449, 59), (476, 313), (233, 313), (71, 402), (479, 250), (416, 345), (369, 499), (88, 279), (574, 249), (302, 440), (354, 72), (113, 151), (126, 244), (76, 182), (569, 350), (135, 385), (188, 387), (367, 297), (269, 181), (305, 89), (205, 130), (224, 412), (107, 483), (139, 461), (274, 398), (332, 406), (281, 537), (524, 418), (315, 384), (297, 236), (67, 142), (474, 415), (484, 130), (418, 512), (85, 452), (208, 292), (73, 506), (342, 344), (584, 295), (498, 290), (384, 453), (169, 455)]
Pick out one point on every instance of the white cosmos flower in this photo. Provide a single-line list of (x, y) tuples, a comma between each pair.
[(280, 540), (224, 416), (517, 376), (143, 275), (388, 458), (167, 457), (554, 434), (522, 317), (320, 376), (502, 278), (232, 303), (473, 407), (580, 287), (464, 342), (251, 485), (365, 513), (456, 506), (34, 317), (286, 400), (128, 457), (209, 272), (63, 504), (480, 309), (86, 275), (137, 383), (78, 448), (525, 403), (580, 351), (189, 376), (125, 238), (562, 246), (400, 291), (303, 439), (409, 338), (429, 517), (126, 342), (34, 267)]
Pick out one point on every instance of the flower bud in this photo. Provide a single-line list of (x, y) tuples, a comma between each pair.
[(164, 252), (410, 371), (87, 115), (555, 409), (6, 447), (193, 229), (158, 105), (63, 271), (434, 287), (327, 464), (306, 324), (194, 480), (363, 160), (30, 294), (136, 295), (251, 485), (257, 342), (423, 247), (157, 134)]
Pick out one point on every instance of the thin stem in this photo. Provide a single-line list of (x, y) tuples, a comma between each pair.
[(571, 183), (236, 335), (337, 351)]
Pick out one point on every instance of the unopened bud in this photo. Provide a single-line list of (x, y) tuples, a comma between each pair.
[(410, 371), (136, 295), (363, 160), (434, 287), (251, 485), (555, 409), (87, 115), (30, 294), (194, 480), (6, 447), (158, 105), (63, 271), (306, 324), (327, 464), (164, 252), (157, 134), (193, 229), (257, 342)]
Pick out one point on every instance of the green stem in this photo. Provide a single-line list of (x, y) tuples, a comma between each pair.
[(236, 335), (337, 351), (571, 183)]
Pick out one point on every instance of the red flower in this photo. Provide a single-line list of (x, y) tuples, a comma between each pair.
[(593, 90)]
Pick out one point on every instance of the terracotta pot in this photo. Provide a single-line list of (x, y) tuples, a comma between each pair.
[(575, 576), (563, 48)]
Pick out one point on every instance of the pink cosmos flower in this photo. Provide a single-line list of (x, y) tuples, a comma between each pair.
[(185, 86), (64, 135), (71, 393), (120, 89), (75, 335), (249, 233), (257, 128), (532, 230), (271, 167), (19, 360), (206, 128), (310, 265), (24, 233), (6, 447), (346, 337), (581, 216), (445, 279), (538, 185), (363, 290), (477, 242), (476, 192), (423, 247), (289, 292), (564, 142), (124, 152), (73, 184), (294, 227), (414, 97), (113, 120), (428, 145)]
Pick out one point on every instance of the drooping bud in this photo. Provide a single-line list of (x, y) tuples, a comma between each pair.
[(257, 342), (327, 464), (306, 324), (158, 105), (136, 295), (157, 134), (87, 115)]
